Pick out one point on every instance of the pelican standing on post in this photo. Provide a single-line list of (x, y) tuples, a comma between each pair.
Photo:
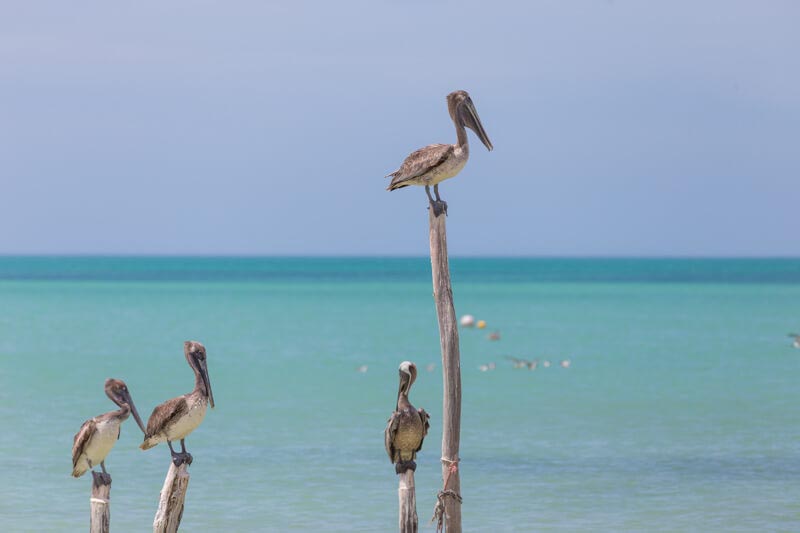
[(176, 418), (407, 426), (98, 435), (438, 162)]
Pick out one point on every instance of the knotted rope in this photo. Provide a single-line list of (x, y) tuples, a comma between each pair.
[(438, 510)]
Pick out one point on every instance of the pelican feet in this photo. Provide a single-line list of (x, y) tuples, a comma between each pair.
[(439, 207), (179, 458), (101, 478), (401, 466)]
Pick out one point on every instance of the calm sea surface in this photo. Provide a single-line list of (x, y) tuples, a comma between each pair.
[(679, 411)]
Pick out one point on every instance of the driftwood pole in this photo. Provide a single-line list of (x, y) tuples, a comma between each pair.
[(100, 503), (407, 497), (170, 505), (448, 507)]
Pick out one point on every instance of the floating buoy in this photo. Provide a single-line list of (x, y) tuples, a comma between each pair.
[(481, 324), (467, 321), (362, 369), (546, 363), (565, 363)]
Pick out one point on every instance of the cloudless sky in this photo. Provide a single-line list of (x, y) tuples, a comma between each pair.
[(211, 127)]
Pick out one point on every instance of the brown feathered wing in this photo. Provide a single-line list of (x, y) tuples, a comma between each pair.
[(389, 433), (418, 163), (164, 416), (81, 439), (425, 424)]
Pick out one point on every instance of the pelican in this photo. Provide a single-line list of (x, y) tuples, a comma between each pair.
[(99, 434), (438, 162), (407, 427), (176, 418), (796, 338)]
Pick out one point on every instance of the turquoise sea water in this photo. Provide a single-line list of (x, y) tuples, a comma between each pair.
[(678, 412)]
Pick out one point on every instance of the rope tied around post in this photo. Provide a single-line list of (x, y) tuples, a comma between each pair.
[(439, 509)]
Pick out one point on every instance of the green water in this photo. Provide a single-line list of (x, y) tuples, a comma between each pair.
[(678, 411)]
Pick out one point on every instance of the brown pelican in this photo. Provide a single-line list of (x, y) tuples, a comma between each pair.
[(97, 435), (407, 426), (176, 418), (438, 162)]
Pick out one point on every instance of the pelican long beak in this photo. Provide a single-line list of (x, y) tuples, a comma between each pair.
[(473, 122), (405, 380), (204, 375), (134, 412)]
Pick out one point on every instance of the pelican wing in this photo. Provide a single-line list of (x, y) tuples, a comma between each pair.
[(426, 425), (165, 415), (81, 439), (389, 434), (418, 163)]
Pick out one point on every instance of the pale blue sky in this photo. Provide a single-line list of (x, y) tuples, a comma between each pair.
[(620, 127)]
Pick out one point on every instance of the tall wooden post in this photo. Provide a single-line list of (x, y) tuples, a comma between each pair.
[(409, 523), (450, 496), (170, 505), (100, 504)]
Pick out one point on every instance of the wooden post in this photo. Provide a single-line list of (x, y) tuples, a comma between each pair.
[(450, 495), (170, 505), (100, 517), (408, 503)]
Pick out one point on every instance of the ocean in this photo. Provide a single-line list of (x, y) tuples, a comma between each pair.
[(678, 410)]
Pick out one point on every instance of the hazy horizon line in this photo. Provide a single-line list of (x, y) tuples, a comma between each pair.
[(4, 255)]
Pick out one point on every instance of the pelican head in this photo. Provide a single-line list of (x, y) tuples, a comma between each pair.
[(195, 354), (463, 112), (118, 392), (408, 374)]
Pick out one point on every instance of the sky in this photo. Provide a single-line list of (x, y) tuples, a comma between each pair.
[(266, 128)]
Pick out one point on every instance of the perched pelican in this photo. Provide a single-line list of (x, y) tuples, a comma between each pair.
[(796, 338), (97, 435), (407, 427), (438, 162), (176, 418)]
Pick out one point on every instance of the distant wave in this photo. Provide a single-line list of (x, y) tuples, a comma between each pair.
[(373, 269)]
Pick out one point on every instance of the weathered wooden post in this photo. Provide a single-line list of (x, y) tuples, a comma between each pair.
[(100, 504), (448, 506), (406, 493), (170, 505)]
